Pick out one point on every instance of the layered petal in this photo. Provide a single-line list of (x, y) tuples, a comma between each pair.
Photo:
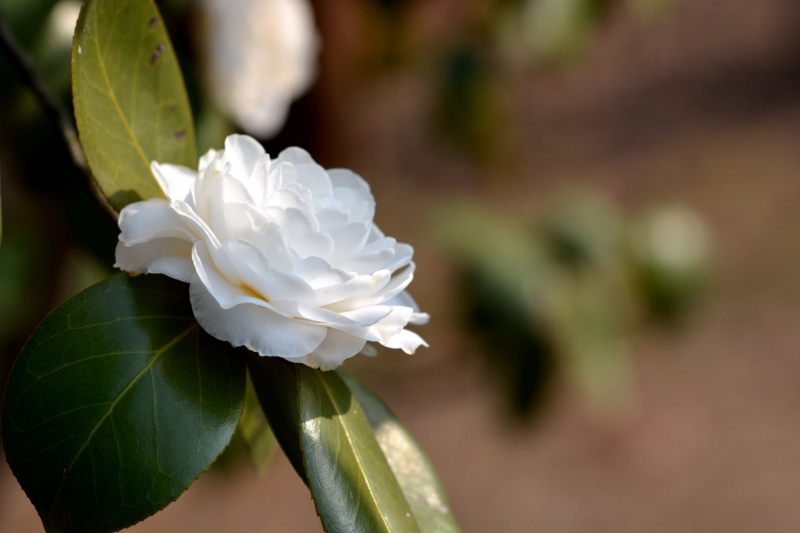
[(242, 152), (176, 181), (333, 351), (259, 329), (281, 255), (152, 219), (168, 256)]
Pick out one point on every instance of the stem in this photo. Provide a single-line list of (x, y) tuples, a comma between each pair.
[(52, 106)]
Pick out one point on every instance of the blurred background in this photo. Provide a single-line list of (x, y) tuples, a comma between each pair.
[(602, 199)]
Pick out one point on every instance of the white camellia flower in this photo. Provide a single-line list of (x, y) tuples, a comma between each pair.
[(281, 255), (261, 55)]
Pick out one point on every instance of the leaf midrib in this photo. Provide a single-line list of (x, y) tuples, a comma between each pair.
[(113, 96), (164, 349), (353, 447)]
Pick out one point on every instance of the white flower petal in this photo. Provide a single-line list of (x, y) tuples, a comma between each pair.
[(334, 350), (227, 292), (176, 181), (295, 155), (230, 191), (199, 228), (301, 235), (348, 241), (393, 323), (257, 275), (318, 273), (355, 323), (259, 179), (171, 257), (358, 205), (391, 286), (342, 178), (404, 299), (369, 350), (281, 256), (242, 152), (331, 217), (260, 329), (377, 244), (275, 175), (152, 219), (206, 159), (369, 262), (408, 341), (202, 198), (402, 257)]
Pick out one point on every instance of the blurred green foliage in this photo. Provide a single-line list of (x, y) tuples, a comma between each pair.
[(564, 292), (469, 109)]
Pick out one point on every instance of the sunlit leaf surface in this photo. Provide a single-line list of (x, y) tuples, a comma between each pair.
[(353, 487), (411, 467), (131, 105)]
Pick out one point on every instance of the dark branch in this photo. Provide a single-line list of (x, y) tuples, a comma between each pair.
[(53, 108)]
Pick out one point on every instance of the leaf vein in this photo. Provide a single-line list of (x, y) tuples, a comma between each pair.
[(122, 393), (349, 437)]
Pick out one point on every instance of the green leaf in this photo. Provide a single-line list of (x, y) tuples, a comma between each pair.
[(353, 487), (117, 403), (256, 433), (131, 105), (275, 383), (411, 467)]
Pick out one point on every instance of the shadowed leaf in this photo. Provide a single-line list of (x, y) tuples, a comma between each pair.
[(117, 403), (353, 487), (256, 433), (275, 383)]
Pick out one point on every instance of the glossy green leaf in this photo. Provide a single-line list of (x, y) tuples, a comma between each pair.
[(411, 467), (353, 487), (256, 433), (275, 383), (131, 105), (117, 403)]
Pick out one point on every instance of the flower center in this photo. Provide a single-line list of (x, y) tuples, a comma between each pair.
[(250, 291)]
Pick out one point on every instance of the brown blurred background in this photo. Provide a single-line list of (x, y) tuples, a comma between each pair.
[(700, 106)]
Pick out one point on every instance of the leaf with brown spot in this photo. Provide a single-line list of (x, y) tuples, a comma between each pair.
[(130, 98)]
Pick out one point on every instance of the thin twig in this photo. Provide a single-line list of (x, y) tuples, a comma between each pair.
[(53, 108)]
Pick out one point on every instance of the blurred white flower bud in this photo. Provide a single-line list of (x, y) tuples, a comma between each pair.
[(61, 23), (260, 56)]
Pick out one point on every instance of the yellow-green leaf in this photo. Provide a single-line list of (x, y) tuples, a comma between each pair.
[(411, 467), (131, 105), (353, 487), (256, 432)]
